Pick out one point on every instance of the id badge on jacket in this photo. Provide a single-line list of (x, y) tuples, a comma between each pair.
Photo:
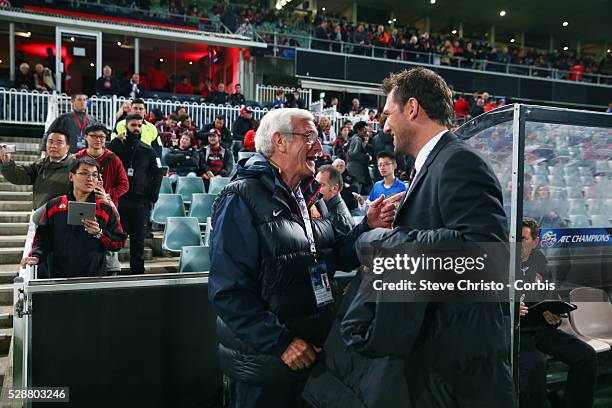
[(320, 284)]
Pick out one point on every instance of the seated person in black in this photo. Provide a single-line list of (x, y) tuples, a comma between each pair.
[(540, 336), (183, 160)]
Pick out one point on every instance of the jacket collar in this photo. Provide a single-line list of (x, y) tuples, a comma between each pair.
[(333, 203), (446, 137), (70, 195)]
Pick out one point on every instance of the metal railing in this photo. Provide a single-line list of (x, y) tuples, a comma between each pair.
[(284, 44), (24, 107), (267, 93)]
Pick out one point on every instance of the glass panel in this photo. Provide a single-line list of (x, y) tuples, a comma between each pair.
[(80, 69), (567, 175)]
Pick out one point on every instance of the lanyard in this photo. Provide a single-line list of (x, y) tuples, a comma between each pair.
[(133, 153), (299, 198), (78, 121)]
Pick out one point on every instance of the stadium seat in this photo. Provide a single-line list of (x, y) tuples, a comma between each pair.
[(585, 171), (593, 318), (186, 186), (539, 180), (167, 205), (244, 155), (557, 194), (596, 206), (540, 170), (166, 186), (165, 151), (573, 192), (208, 231), (600, 220), (194, 259), (578, 221), (180, 232), (572, 180), (602, 166), (556, 181), (597, 345), (217, 184), (201, 206)]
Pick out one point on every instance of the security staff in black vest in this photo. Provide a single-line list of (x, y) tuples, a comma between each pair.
[(272, 265), (331, 186), (143, 169)]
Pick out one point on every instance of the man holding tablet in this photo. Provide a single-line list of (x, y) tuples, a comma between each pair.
[(77, 250)]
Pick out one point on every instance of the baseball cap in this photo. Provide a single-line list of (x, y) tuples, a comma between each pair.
[(246, 109)]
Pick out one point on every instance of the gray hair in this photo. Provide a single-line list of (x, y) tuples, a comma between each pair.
[(277, 121)]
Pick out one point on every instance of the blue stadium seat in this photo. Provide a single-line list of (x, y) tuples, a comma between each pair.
[(217, 184), (167, 205), (180, 232), (186, 186), (578, 221), (166, 186), (165, 151), (600, 221), (201, 206), (194, 259)]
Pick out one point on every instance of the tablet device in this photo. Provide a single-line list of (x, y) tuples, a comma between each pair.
[(557, 307), (78, 211)]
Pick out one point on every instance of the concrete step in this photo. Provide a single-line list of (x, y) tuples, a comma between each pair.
[(25, 157), (6, 316), (26, 148), (16, 139), (124, 254), (6, 335), (12, 241), (16, 205), (6, 294), (16, 196), (11, 255), (13, 228), (8, 277), (6, 186), (15, 216), (156, 265)]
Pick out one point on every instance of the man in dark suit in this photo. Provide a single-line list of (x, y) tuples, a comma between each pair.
[(430, 354)]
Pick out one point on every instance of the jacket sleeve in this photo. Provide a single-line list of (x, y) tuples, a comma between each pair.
[(19, 174), (356, 151), (346, 259), (41, 245), (228, 163), (172, 158), (233, 286), (121, 183), (113, 237), (203, 165), (156, 177)]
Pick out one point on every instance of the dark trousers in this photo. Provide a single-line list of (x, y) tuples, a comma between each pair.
[(579, 356), (134, 217), (281, 395)]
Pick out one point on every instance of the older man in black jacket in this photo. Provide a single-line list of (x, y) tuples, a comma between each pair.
[(272, 265), (425, 354)]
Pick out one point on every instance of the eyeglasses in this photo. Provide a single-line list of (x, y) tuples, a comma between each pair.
[(98, 137), (87, 175), (311, 137), (56, 142), (384, 164)]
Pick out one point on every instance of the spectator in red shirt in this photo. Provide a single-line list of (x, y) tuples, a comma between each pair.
[(114, 180), (157, 77), (206, 88), (166, 130), (462, 108), (184, 87), (576, 71), (249, 138)]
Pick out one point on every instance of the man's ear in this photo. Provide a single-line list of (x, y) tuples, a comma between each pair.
[(71, 177), (279, 142), (411, 108)]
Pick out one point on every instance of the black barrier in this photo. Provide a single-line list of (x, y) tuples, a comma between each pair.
[(366, 70), (142, 346)]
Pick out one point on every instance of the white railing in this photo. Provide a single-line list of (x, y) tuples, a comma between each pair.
[(35, 108), (267, 93)]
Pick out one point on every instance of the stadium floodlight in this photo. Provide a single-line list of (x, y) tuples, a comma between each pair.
[(565, 24), (565, 48), (283, 3), (502, 13), (161, 60), (454, 32), (190, 62), (91, 64), (323, 8), (72, 39), (609, 50), (119, 43), (278, 6), (432, 1), (512, 40)]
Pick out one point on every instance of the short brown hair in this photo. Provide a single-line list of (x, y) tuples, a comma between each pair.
[(534, 228), (427, 87), (335, 178)]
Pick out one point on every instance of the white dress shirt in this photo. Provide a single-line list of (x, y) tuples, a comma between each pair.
[(425, 151)]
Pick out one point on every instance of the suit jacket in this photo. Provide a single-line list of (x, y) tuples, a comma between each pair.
[(453, 354)]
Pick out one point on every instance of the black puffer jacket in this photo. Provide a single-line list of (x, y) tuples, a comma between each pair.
[(259, 278), (183, 161)]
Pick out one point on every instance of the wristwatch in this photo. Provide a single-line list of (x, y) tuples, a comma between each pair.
[(99, 234)]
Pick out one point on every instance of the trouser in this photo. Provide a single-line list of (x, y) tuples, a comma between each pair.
[(112, 262), (134, 217), (579, 356), (285, 395)]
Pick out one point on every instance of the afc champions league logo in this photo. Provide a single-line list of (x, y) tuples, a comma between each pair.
[(549, 239)]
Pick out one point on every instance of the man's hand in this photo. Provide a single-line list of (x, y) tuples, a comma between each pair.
[(523, 310), (210, 174), (121, 136), (91, 226), (30, 260), (551, 318), (299, 354), (381, 212), (4, 157), (100, 192)]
